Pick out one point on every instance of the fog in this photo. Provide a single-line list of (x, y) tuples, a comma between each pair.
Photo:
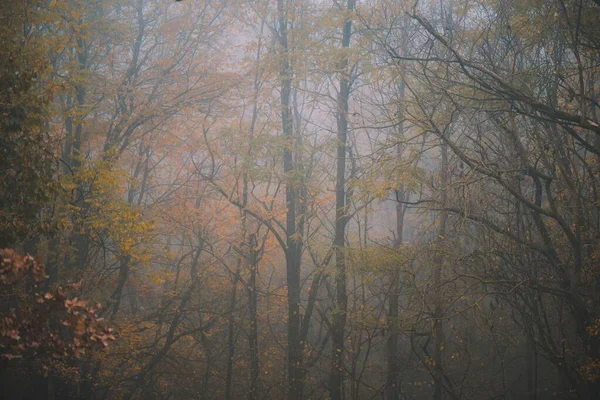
[(298, 199)]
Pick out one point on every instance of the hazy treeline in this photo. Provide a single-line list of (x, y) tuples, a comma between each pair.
[(298, 199)]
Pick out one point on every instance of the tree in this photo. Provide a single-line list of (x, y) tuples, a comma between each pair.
[(519, 108), (341, 216), (49, 330), (28, 144)]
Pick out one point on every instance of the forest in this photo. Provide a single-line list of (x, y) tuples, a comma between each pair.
[(299, 199)]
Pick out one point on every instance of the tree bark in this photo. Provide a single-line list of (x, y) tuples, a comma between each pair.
[(336, 380), (438, 326), (253, 306), (231, 332), (292, 250), (392, 389)]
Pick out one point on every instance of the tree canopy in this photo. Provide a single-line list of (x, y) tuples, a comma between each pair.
[(300, 199)]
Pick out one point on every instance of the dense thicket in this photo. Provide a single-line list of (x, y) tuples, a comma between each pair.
[(300, 199)]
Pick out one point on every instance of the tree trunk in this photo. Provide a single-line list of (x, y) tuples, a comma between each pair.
[(80, 237), (231, 332), (292, 250), (336, 381), (253, 305), (392, 389), (438, 326)]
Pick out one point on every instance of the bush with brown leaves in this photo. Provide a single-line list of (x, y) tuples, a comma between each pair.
[(45, 326)]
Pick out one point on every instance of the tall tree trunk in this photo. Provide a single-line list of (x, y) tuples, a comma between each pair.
[(124, 281), (233, 298), (292, 250), (231, 332), (80, 237), (392, 389), (336, 380), (438, 326), (253, 305), (253, 244)]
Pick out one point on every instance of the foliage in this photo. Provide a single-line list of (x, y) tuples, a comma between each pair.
[(48, 327), (186, 160), (27, 149)]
